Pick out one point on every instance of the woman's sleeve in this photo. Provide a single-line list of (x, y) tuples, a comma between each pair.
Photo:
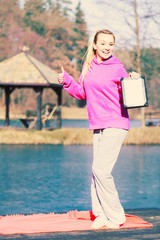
[(75, 89), (123, 74)]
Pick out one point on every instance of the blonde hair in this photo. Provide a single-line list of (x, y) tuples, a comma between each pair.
[(91, 52)]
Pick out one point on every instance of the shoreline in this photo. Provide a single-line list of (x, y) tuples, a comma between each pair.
[(74, 112), (71, 136)]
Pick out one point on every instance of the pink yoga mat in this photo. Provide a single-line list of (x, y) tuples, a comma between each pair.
[(71, 221)]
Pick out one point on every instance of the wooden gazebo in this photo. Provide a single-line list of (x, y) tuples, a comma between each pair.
[(24, 71)]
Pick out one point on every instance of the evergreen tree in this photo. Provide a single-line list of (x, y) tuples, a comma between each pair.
[(35, 16), (49, 3), (81, 40), (59, 38), (81, 36), (64, 6), (150, 61)]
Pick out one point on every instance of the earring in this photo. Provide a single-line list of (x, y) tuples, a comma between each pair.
[(94, 47)]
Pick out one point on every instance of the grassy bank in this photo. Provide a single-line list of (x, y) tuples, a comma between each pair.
[(67, 136)]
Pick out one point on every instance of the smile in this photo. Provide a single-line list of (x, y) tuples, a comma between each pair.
[(105, 52)]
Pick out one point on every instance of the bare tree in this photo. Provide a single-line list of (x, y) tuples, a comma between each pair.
[(138, 56), (146, 17)]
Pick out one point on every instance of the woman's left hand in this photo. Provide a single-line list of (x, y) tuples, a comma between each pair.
[(134, 75)]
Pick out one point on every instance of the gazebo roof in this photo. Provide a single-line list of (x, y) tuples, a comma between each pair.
[(25, 70)]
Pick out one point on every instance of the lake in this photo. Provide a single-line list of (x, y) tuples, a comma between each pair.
[(74, 123), (56, 178)]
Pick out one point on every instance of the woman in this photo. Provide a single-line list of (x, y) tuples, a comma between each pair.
[(99, 83)]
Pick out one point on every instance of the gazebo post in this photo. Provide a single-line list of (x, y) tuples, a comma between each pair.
[(59, 103), (39, 105), (8, 91)]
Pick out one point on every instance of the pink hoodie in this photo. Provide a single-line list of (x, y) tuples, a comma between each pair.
[(101, 88)]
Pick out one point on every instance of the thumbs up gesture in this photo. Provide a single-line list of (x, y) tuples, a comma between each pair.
[(61, 76)]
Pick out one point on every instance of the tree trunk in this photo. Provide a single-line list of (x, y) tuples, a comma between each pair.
[(139, 57)]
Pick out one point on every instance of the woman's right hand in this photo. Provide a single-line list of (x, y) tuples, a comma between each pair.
[(61, 76)]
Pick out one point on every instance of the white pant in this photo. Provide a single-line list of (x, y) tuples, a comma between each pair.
[(105, 201)]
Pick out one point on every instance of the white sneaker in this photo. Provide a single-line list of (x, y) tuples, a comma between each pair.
[(100, 222)]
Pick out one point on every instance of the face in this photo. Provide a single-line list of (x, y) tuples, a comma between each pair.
[(104, 46)]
